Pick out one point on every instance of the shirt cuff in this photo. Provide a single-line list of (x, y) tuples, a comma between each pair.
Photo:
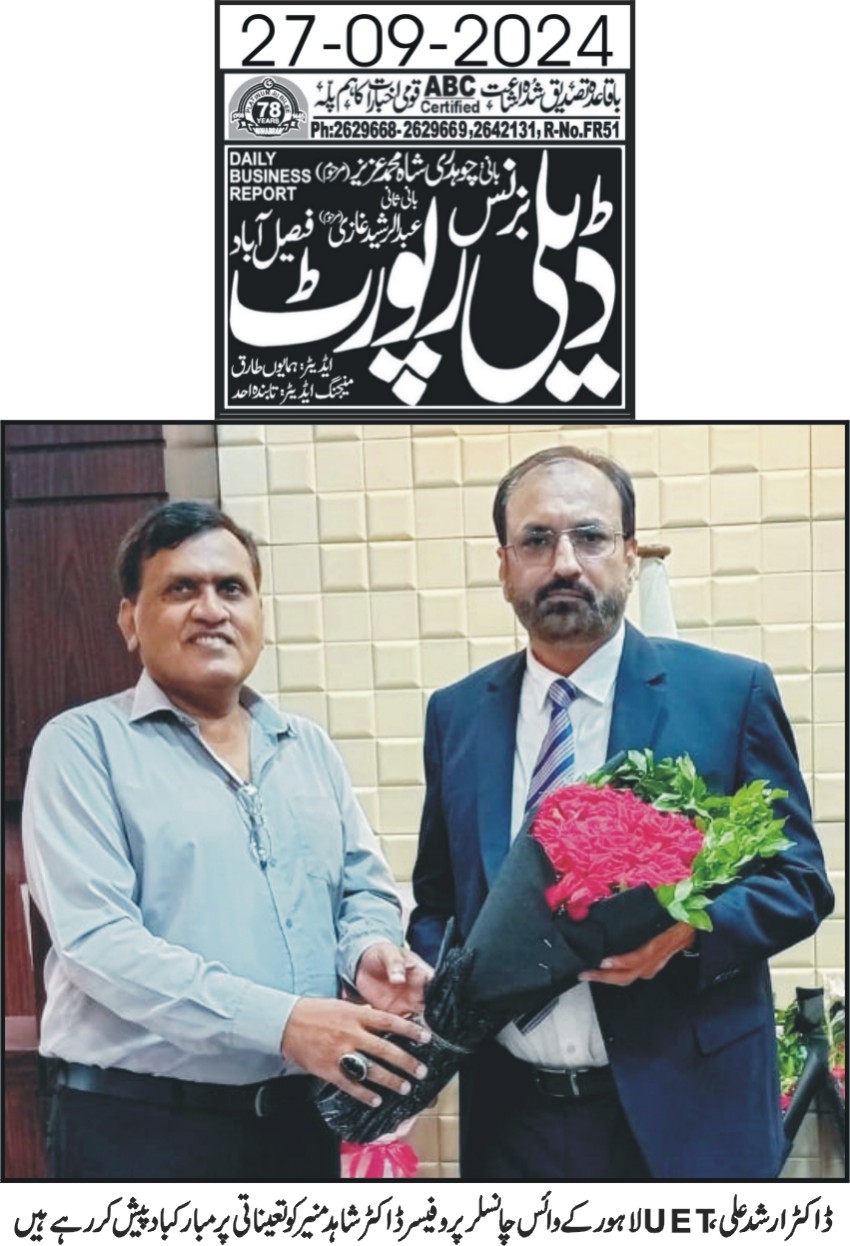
[(260, 1018), (352, 950)]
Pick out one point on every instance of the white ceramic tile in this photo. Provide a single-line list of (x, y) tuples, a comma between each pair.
[(397, 664), (394, 615), (400, 762), (442, 612), (298, 617), (734, 497), (482, 562), (745, 640), (295, 569), (440, 563), (361, 761), (401, 809), (829, 444), (294, 518), (485, 459), (443, 662), (342, 517), (487, 649), (344, 567), (734, 447), (786, 495), (300, 668), (784, 446), (351, 715), (291, 468), (390, 515), (829, 597), (648, 504), (787, 647), (828, 691), (786, 547), (398, 713), (392, 564), (242, 471), (338, 432), (387, 464), (786, 598), (828, 493), (312, 705), (339, 466), (285, 434), (381, 431), (478, 511), (348, 666), (263, 677), (736, 549), (829, 646), (439, 512), (346, 616), (251, 514), (488, 613), (684, 501), (829, 545), (683, 449), (796, 694), (734, 599), (436, 461), (240, 434), (830, 748), (636, 447)]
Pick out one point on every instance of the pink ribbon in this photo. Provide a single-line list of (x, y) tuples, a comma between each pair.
[(379, 1159)]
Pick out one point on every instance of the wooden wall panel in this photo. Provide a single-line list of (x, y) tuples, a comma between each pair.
[(81, 473), (72, 490), (62, 605), (20, 434)]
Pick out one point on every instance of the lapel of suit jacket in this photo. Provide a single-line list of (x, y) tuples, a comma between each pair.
[(638, 696), (496, 725)]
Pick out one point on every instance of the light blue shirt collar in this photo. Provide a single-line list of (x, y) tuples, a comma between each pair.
[(149, 698)]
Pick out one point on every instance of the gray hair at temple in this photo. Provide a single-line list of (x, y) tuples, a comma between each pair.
[(166, 527), (619, 477)]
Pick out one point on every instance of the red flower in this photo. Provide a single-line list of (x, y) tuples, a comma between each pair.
[(604, 840)]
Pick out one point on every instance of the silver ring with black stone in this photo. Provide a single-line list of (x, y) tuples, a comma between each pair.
[(354, 1065)]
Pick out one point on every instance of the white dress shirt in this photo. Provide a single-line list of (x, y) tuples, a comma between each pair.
[(569, 1037)]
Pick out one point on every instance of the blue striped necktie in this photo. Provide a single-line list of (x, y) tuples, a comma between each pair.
[(556, 761)]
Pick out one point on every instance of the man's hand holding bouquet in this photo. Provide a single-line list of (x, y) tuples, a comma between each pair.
[(606, 880)]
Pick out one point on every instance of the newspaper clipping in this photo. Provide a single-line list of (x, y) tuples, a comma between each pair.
[(425, 206)]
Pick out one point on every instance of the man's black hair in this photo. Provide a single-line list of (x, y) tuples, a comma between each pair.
[(619, 477), (166, 527)]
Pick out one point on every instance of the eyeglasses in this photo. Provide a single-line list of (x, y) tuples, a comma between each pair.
[(590, 543), (259, 838)]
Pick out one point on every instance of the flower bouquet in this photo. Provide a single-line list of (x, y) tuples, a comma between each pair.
[(811, 1051), (599, 868)]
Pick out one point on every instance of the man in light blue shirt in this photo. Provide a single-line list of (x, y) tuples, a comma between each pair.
[(207, 878)]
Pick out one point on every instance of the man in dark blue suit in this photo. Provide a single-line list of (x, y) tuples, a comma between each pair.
[(660, 1063)]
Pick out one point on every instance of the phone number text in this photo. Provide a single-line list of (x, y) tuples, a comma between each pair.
[(461, 128)]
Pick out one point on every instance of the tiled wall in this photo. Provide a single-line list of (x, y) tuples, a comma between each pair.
[(381, 585)]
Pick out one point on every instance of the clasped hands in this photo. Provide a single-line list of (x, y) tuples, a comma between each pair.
[(392, 982)]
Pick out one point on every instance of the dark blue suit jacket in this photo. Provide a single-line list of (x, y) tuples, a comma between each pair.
[(693, 1050)]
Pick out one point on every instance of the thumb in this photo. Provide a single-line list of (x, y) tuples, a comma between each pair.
[(395, 962)]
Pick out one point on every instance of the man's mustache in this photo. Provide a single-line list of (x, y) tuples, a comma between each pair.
[(569, 585)]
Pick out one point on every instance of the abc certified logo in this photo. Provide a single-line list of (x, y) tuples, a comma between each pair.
[(268, 110)]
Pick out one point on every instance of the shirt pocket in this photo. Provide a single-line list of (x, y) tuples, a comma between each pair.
[(320, 837)]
